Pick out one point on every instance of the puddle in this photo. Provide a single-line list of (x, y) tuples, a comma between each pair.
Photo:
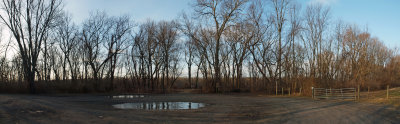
[(127, 96), (160, 105)]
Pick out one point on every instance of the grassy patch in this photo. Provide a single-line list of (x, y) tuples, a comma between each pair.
[(381, 97)]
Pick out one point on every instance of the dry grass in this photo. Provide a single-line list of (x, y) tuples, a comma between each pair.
[(380, 97)]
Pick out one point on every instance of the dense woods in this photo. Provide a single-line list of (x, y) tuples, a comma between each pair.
[(222, 46)]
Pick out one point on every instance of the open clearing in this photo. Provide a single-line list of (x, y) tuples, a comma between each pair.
[(233, 108)]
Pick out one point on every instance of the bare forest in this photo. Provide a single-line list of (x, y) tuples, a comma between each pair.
[(219, 46)]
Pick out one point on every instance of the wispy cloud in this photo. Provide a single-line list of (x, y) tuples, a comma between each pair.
[(323, 2)]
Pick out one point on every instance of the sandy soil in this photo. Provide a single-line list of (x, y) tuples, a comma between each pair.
[(231, 108)]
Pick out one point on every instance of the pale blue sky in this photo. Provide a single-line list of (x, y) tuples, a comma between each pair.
[(381, 16), (139, 10)]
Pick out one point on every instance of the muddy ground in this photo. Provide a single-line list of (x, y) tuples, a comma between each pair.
[(227, 108)]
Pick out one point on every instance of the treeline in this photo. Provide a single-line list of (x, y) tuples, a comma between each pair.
[(223, 45)]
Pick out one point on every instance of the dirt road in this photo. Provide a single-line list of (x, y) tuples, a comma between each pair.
[(237, 108)]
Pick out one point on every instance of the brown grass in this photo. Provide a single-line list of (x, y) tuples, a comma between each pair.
[(380, 97)]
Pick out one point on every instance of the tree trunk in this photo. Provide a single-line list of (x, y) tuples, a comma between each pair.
[(190, 76)]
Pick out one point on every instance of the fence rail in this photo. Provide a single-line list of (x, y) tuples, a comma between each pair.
[(342, 93)]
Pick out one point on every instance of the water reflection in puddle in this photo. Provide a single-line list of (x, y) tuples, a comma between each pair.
[(127, 96), (160, 105)]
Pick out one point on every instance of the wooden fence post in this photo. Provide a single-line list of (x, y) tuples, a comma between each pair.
[(300, 91), (326, 93), (282, 91), (312, 91), (387, 92), (358, 93), (289, 91), (368, 93), (341, 93), (355, 94)]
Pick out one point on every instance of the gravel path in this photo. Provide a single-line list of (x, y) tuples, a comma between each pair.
[(233, 108)]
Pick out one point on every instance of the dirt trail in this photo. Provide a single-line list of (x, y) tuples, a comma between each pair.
[(236, 108)]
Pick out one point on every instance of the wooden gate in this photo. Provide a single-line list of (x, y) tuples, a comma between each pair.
[(342, 93)]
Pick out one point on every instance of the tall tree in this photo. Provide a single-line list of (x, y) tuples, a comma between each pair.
[(313, 35), (167, 35), (295, 28), (117, 42), (66, 36), (95, 32), (281, 8), (220, 13), (30, 22), (189, 59)]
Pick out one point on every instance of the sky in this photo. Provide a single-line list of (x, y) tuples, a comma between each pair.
[(382, 17), (139, 10)]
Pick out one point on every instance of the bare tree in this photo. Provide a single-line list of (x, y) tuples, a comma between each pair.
[(295, 28), (167, 35), (241, 38), (94, 33), (176, 70), (281, 8), (150, 48), (313, 35), (30, 22), (66, 36), (221, 13), (263, 53), (192, 32), (189, 59), (116, 43), (138, 52), (147, 46)]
